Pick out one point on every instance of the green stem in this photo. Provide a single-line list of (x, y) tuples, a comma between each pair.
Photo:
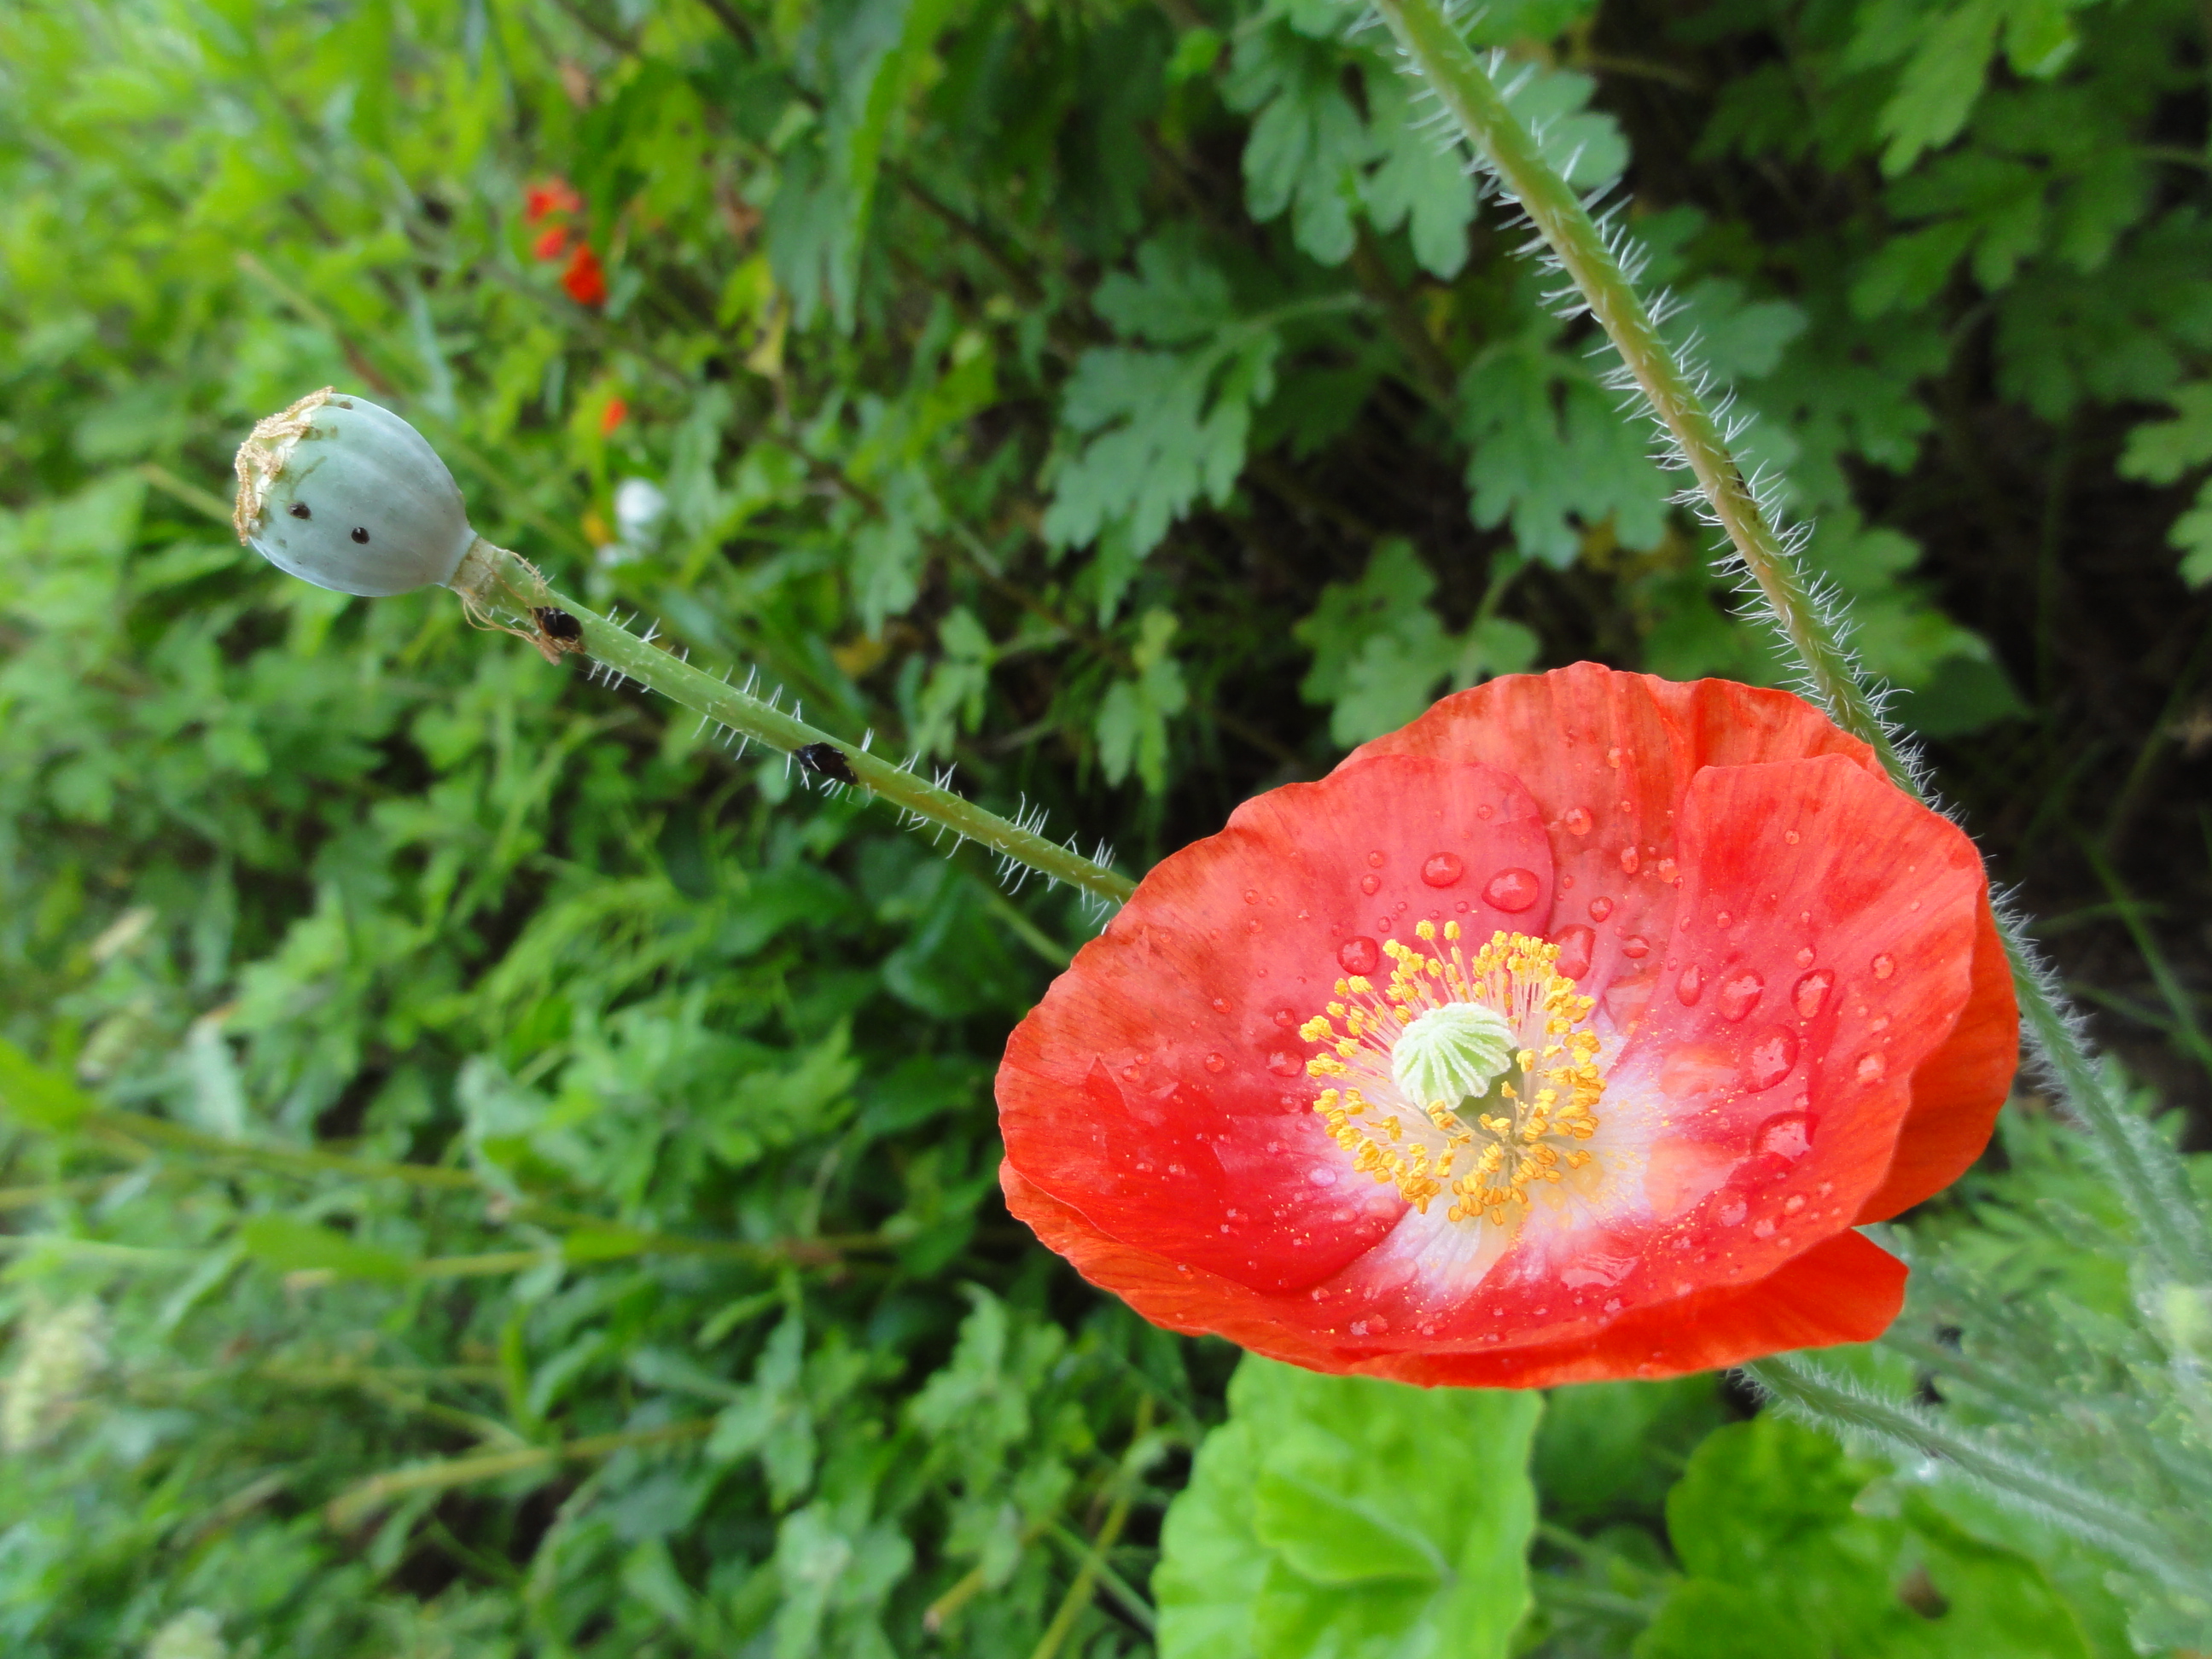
[(499, 580), (1807, 1392), (2145, 1170)]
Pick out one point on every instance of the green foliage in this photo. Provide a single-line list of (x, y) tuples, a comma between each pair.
[(1320, 1521), (491, 1173)]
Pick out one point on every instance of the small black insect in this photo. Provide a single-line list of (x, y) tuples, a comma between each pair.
[(828, 759), (359, 534), (557, 624), (300, 510)]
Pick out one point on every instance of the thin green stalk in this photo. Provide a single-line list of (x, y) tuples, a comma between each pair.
[(358, 1501), (1842, 1409), (2142, 1165), (507, 585)]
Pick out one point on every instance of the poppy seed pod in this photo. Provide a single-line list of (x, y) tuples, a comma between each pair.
[(349, 496)]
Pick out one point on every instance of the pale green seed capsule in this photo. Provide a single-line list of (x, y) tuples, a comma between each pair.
[(345, 494)]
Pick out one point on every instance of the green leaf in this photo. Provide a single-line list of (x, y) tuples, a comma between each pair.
[(1132, 717), (1353, 1518), (290, 1245), (1307, 144), (44, 1099)]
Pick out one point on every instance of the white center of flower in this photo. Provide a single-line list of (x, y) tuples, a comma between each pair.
[(1451, 1053)]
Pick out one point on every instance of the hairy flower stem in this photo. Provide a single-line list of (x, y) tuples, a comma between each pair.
[(2142, 1167), (1813, 1396), (511, 588)]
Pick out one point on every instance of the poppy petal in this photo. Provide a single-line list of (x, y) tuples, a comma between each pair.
[(1958, 1090), (1161, 1085), (1845, 1289)]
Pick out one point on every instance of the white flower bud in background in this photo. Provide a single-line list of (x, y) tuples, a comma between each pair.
[(640, 507), (347, 495)]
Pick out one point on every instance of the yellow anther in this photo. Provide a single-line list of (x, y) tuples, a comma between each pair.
[(1426, 929)]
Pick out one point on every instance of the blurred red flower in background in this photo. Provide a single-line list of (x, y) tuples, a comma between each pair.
[(1565, 1034), (551, 244), (583, 278), (555, 196), (612, 416)]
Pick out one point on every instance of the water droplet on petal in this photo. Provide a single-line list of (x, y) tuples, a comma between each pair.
[(1486, 812), (1287, 1019), (1691, 986), (1360, 955), (1575, 944), (1576, 821), (1368, 885), (1723, 919), (1512, 889), (1739, 995), (1872, 1068), (1630, 860), (1221, 1005), (1635, 947), (1791, 836), (1215, 1063), (1731, 1212), (1321, 1177), (1763, 1228), (1884, 965), (1786, 1134), (1601, 908), (1251, 896), (1792, 1204), (1811, 992), (1283, 1063), (1442, 869), (1374, 861), (1771, 1059)]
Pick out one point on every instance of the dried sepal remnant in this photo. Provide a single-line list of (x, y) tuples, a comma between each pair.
[(261, 458), (1567, 1033)]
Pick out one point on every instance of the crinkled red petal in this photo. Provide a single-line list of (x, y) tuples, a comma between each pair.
[(1160, 1087)]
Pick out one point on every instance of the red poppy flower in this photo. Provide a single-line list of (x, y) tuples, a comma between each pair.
[(612, 416), (1565, 1034), (554, 196), (583, 277), (550, 245)]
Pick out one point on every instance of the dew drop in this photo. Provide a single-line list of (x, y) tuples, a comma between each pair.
[(1283, 1063), (1872, 1067), (1251, 896), (1791, 836), (1368, 885), (1321, 1177), (1601, 908), (1786, 1134), (1359, 955), (1630, 860), (1763, 1228), (1811, 992), (1792, 1204), (1486, 812), (1577, 820), (1804, 956), (1374, 861), (1221, 1005), (1691, 986), (1771, 1059), (1723, 919), (1739, 995), (1215, 1063), (1575, 944), (1635, 947), (1730, 1213), (1442, 869), (1884, 965), (1287, 1019), (1513, 890)]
